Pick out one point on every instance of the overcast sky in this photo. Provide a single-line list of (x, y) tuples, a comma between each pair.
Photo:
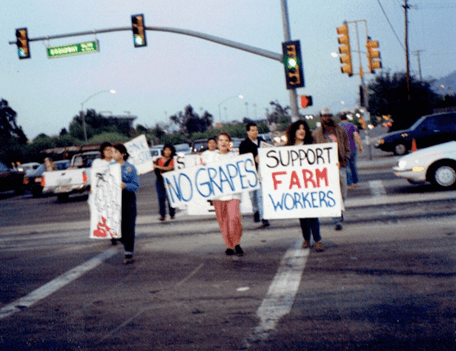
[(174, 70)]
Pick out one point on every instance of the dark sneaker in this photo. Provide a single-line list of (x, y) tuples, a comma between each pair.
[(266, 223), (114, 241), (239, 251), (319, 247), (128, 259), (256, 217), (338, 226), (161, 218), (229, 252), (306, 244)]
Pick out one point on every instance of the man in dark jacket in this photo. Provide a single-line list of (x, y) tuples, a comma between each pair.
[(251, 145)]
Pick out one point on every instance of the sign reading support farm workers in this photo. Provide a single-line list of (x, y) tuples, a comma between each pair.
[(140, 154), (300, 181), (233, 175)]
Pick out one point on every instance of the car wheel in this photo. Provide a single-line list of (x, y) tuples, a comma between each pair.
[(444, 175), (400, 149)]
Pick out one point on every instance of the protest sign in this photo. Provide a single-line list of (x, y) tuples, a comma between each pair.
[(300, 181), (105, 200), (202, 183), (140, 154)]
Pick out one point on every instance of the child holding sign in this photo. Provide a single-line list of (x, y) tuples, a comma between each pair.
[(299, 134), (227, 206)]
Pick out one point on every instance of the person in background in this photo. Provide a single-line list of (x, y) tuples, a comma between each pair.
[(208, 155), (49, 164), (130, 183), (162, 165), (331, 132), (299, 133), (226, 207), (355, 143), (251, 145)]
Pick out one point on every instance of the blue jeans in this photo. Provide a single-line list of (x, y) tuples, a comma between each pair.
[(310, 226), (352, 171), (256, 197), (162, 198)]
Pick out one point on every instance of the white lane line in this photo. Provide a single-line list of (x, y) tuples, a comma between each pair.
[(54, 285), (281, 293), (377, 188)]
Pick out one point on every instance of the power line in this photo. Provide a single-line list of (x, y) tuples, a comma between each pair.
[(399, 40)]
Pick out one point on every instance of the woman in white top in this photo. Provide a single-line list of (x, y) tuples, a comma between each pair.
[(227, 206)]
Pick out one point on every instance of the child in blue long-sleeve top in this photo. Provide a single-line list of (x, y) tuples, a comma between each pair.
[(130, 183)]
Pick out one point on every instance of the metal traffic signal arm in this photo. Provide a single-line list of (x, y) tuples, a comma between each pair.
[(212, 38)]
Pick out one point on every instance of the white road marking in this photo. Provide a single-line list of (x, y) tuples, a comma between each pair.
[(377, 188), (281, 293), (54, 285)]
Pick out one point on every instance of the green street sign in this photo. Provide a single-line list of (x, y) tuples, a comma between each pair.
[(73, 49)]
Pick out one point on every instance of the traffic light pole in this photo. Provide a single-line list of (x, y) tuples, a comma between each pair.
[(287, 37)]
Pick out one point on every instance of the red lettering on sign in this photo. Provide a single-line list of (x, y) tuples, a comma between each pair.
[(294, 180), (275, 180), (322, 175)]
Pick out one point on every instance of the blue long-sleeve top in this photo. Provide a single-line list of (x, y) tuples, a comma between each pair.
[(130, 177)]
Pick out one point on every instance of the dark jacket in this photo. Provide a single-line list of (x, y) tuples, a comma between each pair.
[(248, 146), (343, 144)]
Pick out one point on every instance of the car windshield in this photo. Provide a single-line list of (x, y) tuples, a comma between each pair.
[(417, 123)]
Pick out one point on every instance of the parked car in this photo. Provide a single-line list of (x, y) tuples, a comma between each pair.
[(435, 164), (11, 179), (155, 151), (199, 146), (28, 168), (427, 131), (183, 149), (33, 181)]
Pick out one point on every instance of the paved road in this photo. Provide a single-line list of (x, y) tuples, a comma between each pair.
[(386, 282)]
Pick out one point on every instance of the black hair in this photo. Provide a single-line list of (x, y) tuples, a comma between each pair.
[(104, 146), (171, 147), (291, 132), (343, 117), (211, 138), (122, 149), (250, 124)]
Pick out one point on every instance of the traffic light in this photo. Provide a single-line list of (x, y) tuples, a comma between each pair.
[(22, 43), (306, 101), (139, 32), (345, 50), (292, 62), (373, 55)]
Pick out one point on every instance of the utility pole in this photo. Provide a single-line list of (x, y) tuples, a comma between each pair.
[(407, 59), (417, 54), (287, 36)]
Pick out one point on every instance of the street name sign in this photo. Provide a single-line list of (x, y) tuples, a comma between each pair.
[(73, 49)]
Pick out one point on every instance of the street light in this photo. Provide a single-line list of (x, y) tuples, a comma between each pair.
[(220, 104), (82, 110)]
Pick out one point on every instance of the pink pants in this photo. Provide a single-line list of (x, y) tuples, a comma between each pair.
[(230, 221)]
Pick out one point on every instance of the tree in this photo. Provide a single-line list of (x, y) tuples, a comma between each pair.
[(190, 122), (12, 137), (388, 96)]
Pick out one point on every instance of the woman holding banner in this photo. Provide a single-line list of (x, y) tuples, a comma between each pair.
[(227, 206), (130, 183), (161, 165), (299, 133)]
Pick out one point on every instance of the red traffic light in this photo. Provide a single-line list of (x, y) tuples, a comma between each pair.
[(306, 101)]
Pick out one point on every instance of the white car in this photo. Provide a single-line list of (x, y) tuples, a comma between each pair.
[(435, 164)]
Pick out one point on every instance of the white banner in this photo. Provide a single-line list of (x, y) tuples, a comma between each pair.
[(300, 181), (105, 200), (202, 183), (140, 154)]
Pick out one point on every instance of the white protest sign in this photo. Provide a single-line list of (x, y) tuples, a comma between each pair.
[(202, 183), (105, 200), (186, 161), (300, 181), (140, 154)]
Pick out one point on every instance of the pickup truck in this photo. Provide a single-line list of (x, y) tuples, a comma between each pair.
[(74, 180)]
